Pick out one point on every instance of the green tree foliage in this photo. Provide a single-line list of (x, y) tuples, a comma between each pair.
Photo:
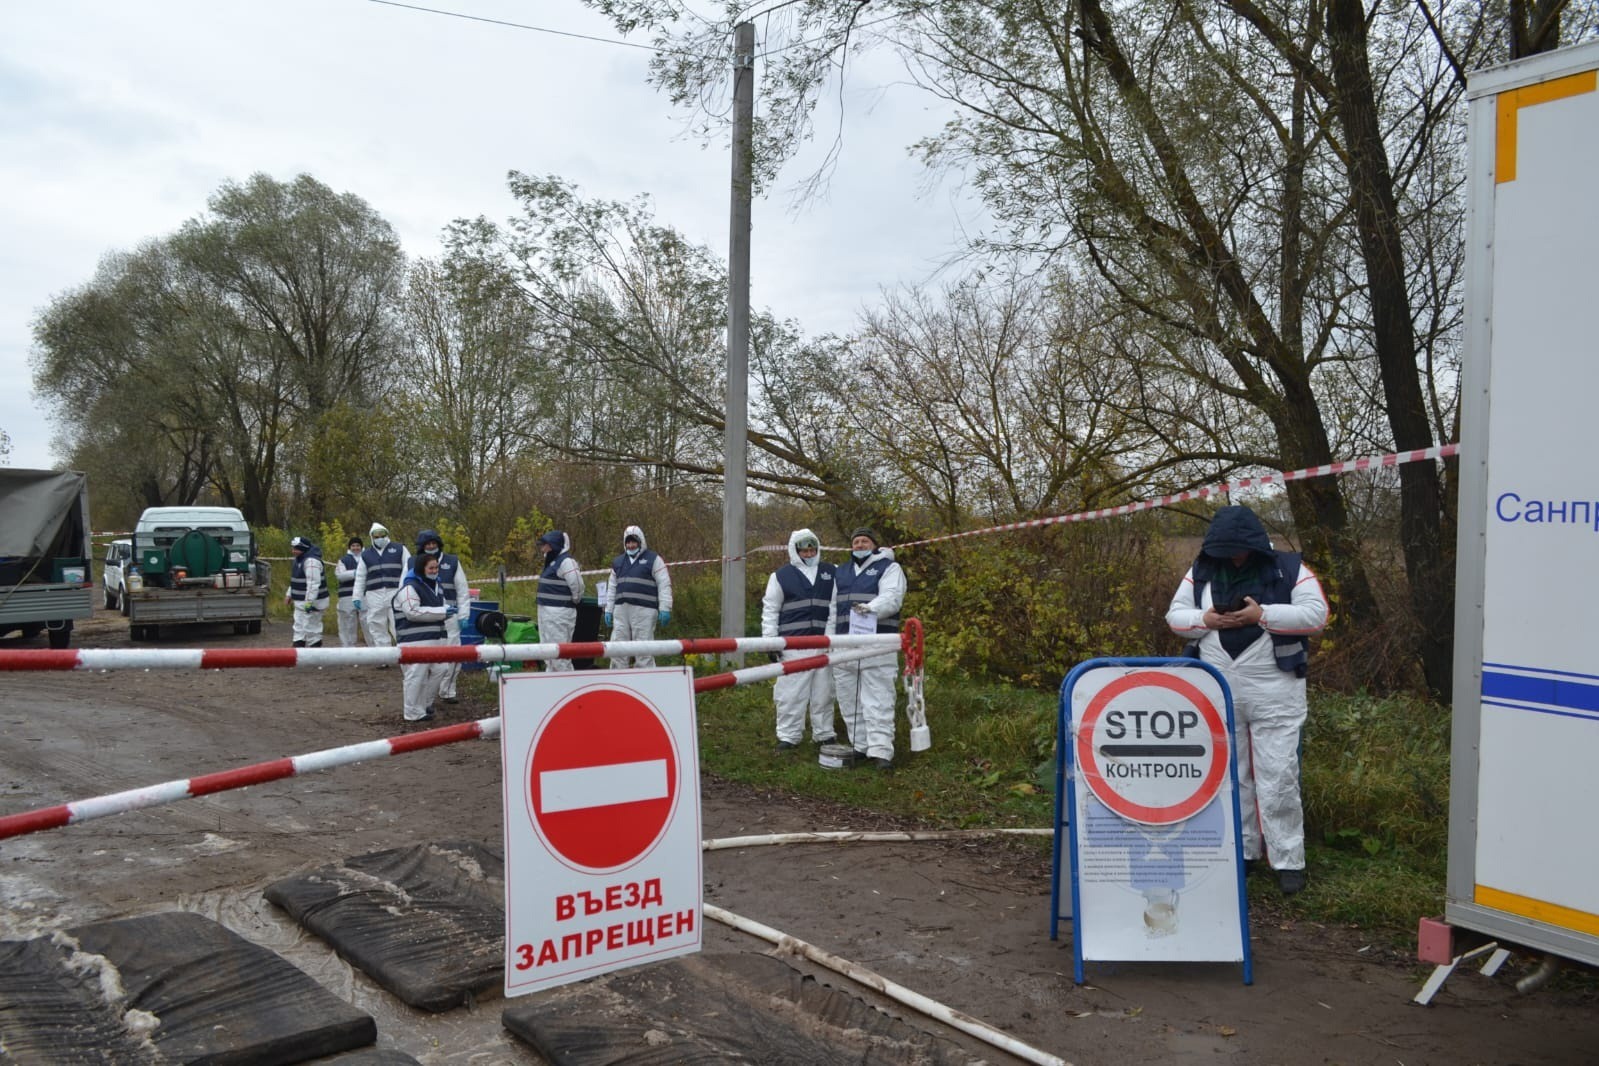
[(306, 280), (1267, 191), (476, 381), (1029, 606)]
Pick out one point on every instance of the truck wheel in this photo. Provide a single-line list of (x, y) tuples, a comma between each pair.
[(109, 601), (60, 638), (122, 601), (255, 627), (241, 628)]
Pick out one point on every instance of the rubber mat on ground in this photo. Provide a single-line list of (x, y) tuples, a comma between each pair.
[(716, 1008), (427, 922), (174, 987)]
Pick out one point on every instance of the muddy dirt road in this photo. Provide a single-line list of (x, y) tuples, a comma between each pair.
[(965, 923)]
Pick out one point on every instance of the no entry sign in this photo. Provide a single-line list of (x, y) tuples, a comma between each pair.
[(604, 779), (602, 823), (1152, 747)]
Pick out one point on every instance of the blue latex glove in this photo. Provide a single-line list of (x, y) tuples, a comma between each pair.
[(663, 617), (451, 610), (357, 605), (607, 618)]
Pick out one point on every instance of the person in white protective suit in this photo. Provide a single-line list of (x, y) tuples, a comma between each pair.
[(452, 580), (386, 564), (307, 592), (345, 571), (420, 617), (638, 596), (1248, 610), (560, 591), (799, 603), (871, 587)]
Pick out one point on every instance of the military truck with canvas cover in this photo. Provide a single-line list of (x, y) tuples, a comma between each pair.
[(45, 581), (195, 565)]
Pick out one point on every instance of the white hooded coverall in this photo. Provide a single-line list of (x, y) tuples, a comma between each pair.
[(808, 694), (349, 621), (865, 688), (557, 624), (1269, 709), (451, 565), (421, 681), (635, 621), (377, 614)]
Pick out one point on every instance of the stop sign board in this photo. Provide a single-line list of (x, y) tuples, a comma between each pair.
[(1152, 747), (602, 823), (1147, 820)]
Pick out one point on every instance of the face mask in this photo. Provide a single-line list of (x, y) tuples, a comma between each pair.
[(861, 555), (632, 553), (380, 543)]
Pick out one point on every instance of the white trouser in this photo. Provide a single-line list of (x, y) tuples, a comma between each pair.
[(377, 618), (1269, 709), (349, 623), (452, 671), (632, 622), (798, 696), (307, 625), (421, 682), (556, 625), (866, 702)]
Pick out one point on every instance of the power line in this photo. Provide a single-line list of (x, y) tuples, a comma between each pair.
[(540, 29)]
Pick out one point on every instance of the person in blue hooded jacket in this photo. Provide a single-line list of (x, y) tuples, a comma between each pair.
[(1249, 610)]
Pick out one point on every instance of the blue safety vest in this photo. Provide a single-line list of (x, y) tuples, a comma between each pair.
[(384, 569), (407, 631), (347, 584), (1292, 651), (449, 573), (553, 593), (297, 583), (853, 588), (804, 610), (635, 579)]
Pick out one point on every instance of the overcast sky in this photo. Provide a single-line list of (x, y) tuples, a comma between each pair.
[(118, 118)]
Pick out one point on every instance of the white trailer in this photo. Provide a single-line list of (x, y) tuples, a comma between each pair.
[(1523, 850)]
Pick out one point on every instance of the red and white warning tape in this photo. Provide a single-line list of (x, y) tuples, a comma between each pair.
[(1442, 451), (1369, 462), (13, 825), (255, 658)]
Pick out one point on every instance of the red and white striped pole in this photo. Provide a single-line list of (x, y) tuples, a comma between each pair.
[(13, 825), (254, 658)]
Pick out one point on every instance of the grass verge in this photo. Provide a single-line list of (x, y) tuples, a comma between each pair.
[(1375, 785)]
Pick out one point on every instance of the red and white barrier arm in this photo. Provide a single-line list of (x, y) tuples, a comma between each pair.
[(14, 825), (234, 658)]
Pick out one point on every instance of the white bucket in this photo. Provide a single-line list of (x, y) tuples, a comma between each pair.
[(921, 738), (837, 756)]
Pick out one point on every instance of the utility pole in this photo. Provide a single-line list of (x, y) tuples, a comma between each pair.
[(736, 460)]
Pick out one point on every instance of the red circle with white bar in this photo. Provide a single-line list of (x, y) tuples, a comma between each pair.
[(602, 779), (1112, 735)]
